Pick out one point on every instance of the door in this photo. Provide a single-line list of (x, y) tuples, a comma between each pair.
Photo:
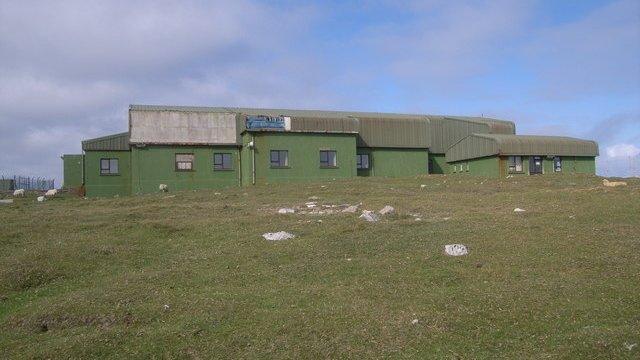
[(535, 165)]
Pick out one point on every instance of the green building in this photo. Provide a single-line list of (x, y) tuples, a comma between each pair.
[(185, 148)]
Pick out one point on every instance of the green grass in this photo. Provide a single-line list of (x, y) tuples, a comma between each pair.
[(91, 278)]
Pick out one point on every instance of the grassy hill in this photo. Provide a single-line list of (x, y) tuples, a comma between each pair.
[(188, 275)]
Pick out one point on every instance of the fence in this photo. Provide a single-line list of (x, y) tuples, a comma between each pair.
[(25, 182)]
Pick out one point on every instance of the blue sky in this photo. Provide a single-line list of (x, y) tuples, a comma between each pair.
[(69, 69)]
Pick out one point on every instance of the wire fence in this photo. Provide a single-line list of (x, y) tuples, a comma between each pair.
[(8, 183)]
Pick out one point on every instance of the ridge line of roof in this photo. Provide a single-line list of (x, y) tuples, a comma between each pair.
[(343, 113), (106, 137)]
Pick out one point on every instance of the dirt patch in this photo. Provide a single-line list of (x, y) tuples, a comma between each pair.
[(25, 276)]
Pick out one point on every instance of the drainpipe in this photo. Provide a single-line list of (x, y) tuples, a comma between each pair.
[(253, 160)]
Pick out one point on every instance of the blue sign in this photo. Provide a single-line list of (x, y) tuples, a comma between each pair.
[(266, 122)]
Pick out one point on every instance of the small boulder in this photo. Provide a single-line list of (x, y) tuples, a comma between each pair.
[(286, 211), (518, 210), (350, 209), (608, 183), (6, 201), (423, 186), (387, 210), (41, 198), (456, 250), (369, 216), (277, 236)]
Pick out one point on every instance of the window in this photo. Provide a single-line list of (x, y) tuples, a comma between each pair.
[(515, 164), (221, 161), (184, 162), (362, 161), (557, 164), (327, 158), (108, 166), (279, 158)]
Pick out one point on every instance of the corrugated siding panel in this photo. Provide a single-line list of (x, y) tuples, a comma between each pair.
[(117, 142), (348, 125), (406, 133), (479, 145), (472, 147), (447, 131)]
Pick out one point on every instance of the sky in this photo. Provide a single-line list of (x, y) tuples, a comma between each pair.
[(70, 69)]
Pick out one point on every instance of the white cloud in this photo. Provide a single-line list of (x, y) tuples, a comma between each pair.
[(450, 41), (36, 100), (84, 38), (596, 54), (622, 151)]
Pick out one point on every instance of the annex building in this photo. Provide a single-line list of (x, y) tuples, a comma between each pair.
[(212, 147)]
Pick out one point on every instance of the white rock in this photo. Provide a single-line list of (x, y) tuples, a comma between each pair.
[(166, 307), (608, 183), (41, 198), (369, 216), (286, 211), (277, 236), (217, 193), (519, 210), (630, 346), (418, 219), (6, 201), (456, 250), (313, 198), (414, 321), (423, 186), (310, 204), (387, 210), (163, 187), (350, 209)]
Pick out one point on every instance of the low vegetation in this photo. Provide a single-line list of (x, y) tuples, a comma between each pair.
[(188, 274)]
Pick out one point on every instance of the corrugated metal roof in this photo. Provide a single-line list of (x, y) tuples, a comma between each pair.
[(278, 112), (448, 130), (322, 124), (480, 145), (116, 142), (376, 129), (385, 132)]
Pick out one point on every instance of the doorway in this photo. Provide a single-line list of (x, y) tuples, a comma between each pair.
[(535, 165)]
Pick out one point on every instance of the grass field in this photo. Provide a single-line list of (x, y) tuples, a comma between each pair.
[(188, 275)]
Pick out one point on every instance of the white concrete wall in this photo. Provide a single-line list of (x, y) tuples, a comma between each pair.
[(182, 127)]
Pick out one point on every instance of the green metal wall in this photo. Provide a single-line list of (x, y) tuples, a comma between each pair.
[(440, 166), (155, 165), (304, 156), (72, 171), (486, 166), (107, 185), (394, 162), (579, 165), (490, 166)]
